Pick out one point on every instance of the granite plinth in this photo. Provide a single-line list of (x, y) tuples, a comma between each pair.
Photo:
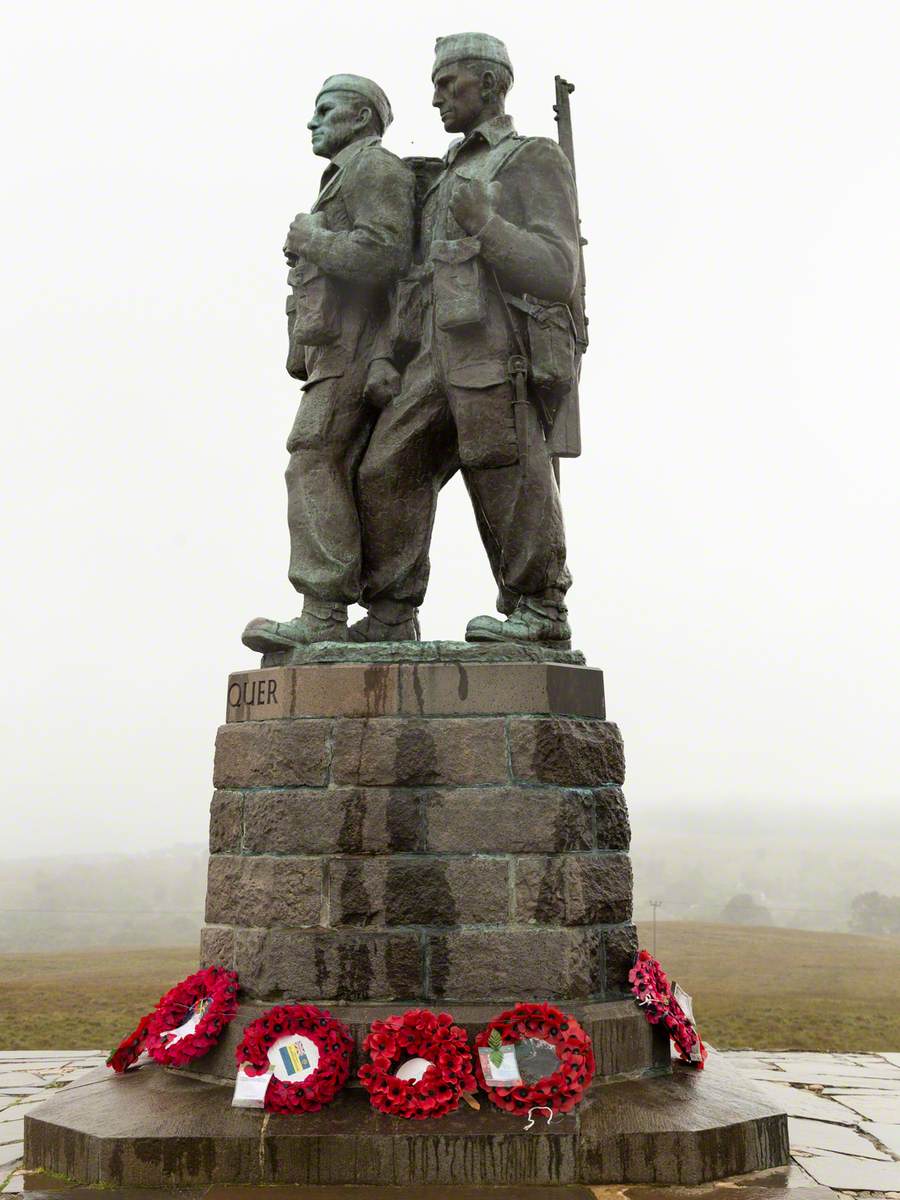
[(416, 689), (420, 652), (156, 1128)]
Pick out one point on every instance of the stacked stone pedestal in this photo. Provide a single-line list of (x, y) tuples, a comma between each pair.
[(448, 832)]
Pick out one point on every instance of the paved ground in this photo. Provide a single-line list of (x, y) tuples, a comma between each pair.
[(843, 1110)]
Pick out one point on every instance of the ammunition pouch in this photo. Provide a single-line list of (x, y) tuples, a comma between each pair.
[(460, 283), (481, 403), (550, 334), (317, 314), (296, 359)]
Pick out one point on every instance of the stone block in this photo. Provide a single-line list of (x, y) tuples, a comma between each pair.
[(419, 890), (264, 890), (508, 820), (226, 822), (407, 751), (620, 947), (281, 964), (566, 751), (613, 826), (216, 946), (372, 689), (463, 689), (515, 964), (332, 821), (272, 754), (573, 889)]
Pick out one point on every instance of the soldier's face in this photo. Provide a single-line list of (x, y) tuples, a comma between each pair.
[(457, 95), (335, 123)]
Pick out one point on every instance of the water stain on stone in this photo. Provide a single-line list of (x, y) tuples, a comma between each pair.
[(356, 905), (440, 966), (350, 835), (375, 688), (415, 756), (404, 968), (418, 892), (403, 820), (355, 971), (320, 966), (462, 689)]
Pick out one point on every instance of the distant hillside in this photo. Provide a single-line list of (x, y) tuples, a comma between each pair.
[(153, 899)]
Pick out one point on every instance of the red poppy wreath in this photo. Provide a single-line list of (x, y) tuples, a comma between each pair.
[(130, 1048), (653, 992), (544, 1056), (185, 1023), (307, 1052), (435, 1065), (189, 1019)]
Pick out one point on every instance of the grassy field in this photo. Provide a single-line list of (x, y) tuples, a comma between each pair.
[(760, 988), (787, 989), (87, 1001)]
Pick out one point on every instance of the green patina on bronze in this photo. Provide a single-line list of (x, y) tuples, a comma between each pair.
[(436, 319)]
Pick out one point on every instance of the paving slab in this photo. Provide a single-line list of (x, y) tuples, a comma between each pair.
[(821, 1137), (792, 1176), (884, 1109), (888, 1135), (821, 1076), (854, 1174), (10, 1154), (799, 1103)]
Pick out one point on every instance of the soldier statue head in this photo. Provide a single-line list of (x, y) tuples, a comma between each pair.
[(348, 107), (472, 73)]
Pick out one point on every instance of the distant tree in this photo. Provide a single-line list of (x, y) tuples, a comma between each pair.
[(744, 910), (872, 912)]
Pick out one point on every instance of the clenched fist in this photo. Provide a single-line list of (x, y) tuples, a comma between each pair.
[(299, 233), (473, 203), (382, 384)]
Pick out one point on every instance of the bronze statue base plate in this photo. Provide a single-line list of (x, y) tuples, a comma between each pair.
[(421, 652)]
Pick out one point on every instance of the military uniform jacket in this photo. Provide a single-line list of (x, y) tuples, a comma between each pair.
[(529, 246), (364, 242)]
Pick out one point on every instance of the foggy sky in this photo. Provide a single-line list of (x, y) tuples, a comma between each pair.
[(733, 524)]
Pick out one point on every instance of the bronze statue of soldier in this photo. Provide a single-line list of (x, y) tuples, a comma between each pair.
[(345, 256), (485, 322)]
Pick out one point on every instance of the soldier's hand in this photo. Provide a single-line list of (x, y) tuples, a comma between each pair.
[(382, 384), (299, 233), (474, 202)]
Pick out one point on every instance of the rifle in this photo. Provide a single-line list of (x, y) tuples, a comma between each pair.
[(564, 440)]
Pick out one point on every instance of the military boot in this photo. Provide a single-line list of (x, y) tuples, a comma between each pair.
[(320, 621), (387, 621), (533, 621)]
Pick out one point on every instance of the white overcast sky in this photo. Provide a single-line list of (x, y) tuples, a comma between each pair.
[(733, 524)]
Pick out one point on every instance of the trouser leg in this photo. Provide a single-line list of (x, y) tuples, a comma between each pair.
[(410, 456), (326, 443), (520, 519)]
